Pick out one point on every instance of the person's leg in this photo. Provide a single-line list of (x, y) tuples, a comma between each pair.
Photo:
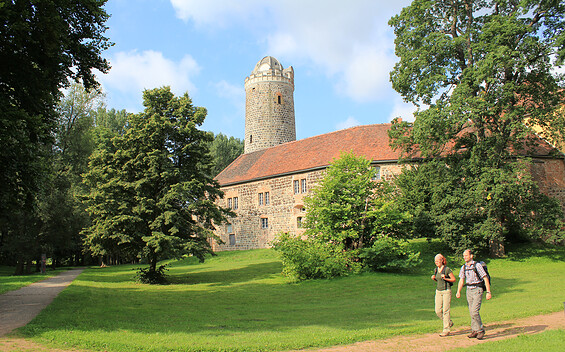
[(439, 304), (474, 298), (447, 310)]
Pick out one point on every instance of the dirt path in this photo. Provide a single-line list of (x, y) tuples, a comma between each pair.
[(432, 342), (17, 308)]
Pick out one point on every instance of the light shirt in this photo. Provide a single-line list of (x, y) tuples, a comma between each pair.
[(469, 274)]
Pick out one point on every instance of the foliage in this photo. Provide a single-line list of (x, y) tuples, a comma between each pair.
[(102, 310), (341, 208), (309, 258), (347, 211), (224, 150), (43, 44), (389, 254), (152, 277), (150, 190), (63, 215), (481, 68)]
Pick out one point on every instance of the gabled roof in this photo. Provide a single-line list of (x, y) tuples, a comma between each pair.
[(370, 141)]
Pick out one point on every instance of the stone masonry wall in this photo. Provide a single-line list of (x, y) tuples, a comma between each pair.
[(550, 175), (269, 114), (282, 213)]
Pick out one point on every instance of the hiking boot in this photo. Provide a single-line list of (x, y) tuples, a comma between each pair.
[(480, 335), (444, 334), (451, 323), (474, 334)]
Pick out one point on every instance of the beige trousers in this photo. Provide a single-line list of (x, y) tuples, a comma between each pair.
[(443, 304)]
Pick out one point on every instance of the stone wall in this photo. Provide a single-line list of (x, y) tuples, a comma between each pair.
[(550, 175), (283, 212), (269, 111)]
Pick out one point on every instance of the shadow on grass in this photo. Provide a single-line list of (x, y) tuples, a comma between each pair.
[(523, 253), (225, 277)]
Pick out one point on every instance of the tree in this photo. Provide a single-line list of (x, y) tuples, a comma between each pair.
[(63, 215), (485, 71), (224, 150), (151, 193), (43, 44), (350, 218)]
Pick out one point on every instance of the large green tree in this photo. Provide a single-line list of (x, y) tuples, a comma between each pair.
[(151, 190), (483, 74), (352, 220), (224, 150), (63, 215), (43, 44)]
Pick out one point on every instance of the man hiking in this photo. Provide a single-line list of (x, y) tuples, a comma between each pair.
[(477, 281)]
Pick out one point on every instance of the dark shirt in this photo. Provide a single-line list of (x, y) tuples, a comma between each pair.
[(441, 283)]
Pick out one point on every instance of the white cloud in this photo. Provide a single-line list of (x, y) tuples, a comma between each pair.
[(230, 91), (350, 42), (350, 122), (402, 110), (216, 13), (149, 69)]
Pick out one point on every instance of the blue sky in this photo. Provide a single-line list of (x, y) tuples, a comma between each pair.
[(341, 52)]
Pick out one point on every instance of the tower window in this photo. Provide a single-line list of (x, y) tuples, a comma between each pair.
[(264, 223), (279, 99), (251, 139)]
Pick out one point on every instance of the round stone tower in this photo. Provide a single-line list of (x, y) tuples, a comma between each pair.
[(269, 105)]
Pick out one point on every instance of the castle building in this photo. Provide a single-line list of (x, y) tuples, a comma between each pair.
[(266, 185)]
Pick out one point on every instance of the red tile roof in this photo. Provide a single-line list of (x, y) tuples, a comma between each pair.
[(316, 152), (370, 141)]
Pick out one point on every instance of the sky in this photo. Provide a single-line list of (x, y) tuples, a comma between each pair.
[(341, 52)]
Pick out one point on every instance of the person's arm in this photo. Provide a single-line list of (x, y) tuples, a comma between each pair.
[(459, 287), (450, 278), (487, 284)]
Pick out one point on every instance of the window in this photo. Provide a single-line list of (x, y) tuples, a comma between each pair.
[(230, 228), (250, 139), (229, 203), (264, 223), (296, 187), (377, 174), (303, 185), (235, 202), (299, 222), (266, 198), (279, 100), (260, 198), (232, 239)]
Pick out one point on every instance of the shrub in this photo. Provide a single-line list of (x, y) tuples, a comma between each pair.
[(152, 277), (388, 254), (312, 259)]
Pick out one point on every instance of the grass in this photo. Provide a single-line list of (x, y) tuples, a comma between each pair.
[(548, 341), (9, 282), (238, 301)]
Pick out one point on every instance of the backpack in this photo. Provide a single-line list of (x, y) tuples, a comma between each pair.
[(484, 265), (435, 273)]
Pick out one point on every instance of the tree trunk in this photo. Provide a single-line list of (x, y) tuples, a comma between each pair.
[(496, 248)]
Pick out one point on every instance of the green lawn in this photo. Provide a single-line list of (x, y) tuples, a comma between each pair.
[(238, 301), (547, 341), (8, 282)]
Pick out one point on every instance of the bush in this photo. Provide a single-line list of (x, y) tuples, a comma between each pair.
[(147, 276), (312, 259), (388, 254)]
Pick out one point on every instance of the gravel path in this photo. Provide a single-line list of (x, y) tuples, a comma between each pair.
[(17, 308)]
